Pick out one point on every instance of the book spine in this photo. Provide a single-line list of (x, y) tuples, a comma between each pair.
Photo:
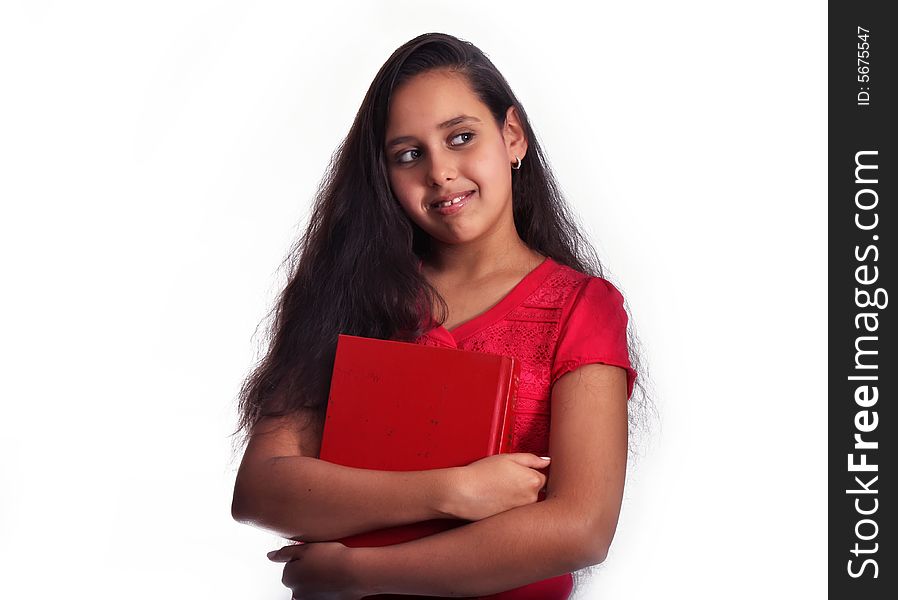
[(506, 433)]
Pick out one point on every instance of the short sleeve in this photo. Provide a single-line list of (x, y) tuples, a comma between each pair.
[(594, 330)]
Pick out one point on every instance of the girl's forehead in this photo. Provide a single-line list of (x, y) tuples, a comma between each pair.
[(430, 100)]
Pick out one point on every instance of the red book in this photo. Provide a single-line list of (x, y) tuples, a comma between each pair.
[(399, 406)]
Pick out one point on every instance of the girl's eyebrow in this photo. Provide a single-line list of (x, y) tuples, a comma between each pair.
[(450, 123)]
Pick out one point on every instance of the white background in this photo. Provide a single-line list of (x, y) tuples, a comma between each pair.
[(157, 159)]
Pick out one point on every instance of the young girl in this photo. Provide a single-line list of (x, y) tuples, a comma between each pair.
[(440, 223)]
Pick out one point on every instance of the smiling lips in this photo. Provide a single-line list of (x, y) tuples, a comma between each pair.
[(450, 200)]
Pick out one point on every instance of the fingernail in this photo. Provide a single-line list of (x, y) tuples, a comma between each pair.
[(271, 554), (545, 457)]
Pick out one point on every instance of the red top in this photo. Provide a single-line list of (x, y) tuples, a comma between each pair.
[(554, 320)]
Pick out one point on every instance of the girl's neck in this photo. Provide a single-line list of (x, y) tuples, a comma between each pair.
[(478, 259)]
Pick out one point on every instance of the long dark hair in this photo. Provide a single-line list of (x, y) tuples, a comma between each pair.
[(355, 269)]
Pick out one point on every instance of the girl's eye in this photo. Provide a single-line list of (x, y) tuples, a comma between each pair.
[(401, 161), (467, 133)]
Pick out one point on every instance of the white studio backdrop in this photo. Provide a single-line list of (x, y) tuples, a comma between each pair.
[(157, 160)]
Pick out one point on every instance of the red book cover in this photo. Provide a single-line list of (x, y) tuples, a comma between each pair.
[(399, 406)]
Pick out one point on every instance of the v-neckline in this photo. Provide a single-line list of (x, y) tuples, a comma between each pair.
[(511, 300)]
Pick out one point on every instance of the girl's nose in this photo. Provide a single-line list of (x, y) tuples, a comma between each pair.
[(442, 168)]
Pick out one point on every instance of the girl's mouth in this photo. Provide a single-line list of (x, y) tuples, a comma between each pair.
[(453, 206)]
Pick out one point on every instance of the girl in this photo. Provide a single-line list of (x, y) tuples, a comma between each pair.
[(440, 223)]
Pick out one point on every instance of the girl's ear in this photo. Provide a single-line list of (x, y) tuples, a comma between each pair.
[(513, 134)]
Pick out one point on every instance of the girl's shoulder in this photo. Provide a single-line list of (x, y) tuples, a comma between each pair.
[(592, 325), (566, 288)]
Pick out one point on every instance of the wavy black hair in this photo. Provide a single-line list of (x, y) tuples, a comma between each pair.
[(355, 269)]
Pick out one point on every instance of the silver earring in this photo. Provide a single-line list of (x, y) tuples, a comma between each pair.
[(517, 167)]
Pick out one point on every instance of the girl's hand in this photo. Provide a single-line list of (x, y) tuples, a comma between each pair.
[(318, 571), (497, 483)]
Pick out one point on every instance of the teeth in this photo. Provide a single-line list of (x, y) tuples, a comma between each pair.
[(451, 202)]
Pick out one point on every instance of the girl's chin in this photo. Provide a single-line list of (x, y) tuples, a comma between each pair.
[(453, 237)]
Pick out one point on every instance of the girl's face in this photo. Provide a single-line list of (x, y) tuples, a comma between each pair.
[(441, 143)]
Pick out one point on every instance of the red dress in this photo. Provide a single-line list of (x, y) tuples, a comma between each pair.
[(554, 320)]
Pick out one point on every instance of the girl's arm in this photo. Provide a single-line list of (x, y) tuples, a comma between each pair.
[(571, 529), (282, 487)]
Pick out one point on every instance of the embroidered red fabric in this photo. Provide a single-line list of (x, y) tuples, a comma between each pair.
[(554, 321)]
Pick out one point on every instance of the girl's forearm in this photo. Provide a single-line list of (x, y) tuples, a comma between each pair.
[(513, 548), (307, 499)]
